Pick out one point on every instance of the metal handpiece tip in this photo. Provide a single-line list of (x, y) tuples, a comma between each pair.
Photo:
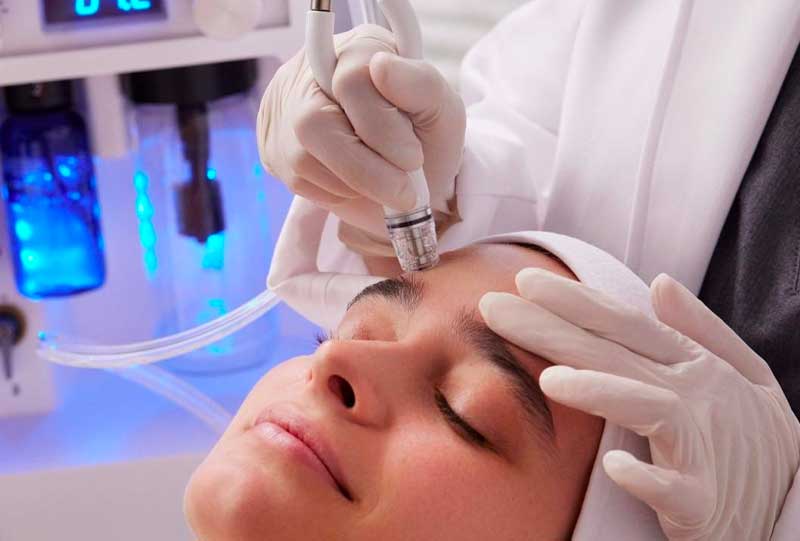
[(414, 240), (321, 5)]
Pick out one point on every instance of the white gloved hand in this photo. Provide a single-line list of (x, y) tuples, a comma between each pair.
[(352, 157), (725, 444)]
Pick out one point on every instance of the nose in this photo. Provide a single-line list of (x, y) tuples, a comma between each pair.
[(359, 379)]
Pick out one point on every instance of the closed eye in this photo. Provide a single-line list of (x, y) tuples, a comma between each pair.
[(464, 429)]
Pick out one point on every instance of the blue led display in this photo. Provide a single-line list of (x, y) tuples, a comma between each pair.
[(68, 11)]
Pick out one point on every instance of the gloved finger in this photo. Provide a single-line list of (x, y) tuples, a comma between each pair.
[(379, 124), (437, 112), (677, 498), (366, 216), (645, 409), (305, 166), (539, 331), (326, 133), (312, 192), (677, 307), (604, 316), (414, 86)]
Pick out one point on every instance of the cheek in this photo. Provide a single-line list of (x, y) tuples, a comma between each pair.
[(434, 487), (241, 493), (235, 493), (224, 499)]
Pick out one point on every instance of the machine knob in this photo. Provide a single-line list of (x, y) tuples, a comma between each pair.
[(227, 19)]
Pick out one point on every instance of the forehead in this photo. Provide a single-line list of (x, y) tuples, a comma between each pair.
[(464, 276), (451, 289)]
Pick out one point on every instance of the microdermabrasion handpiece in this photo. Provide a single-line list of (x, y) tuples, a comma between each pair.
[(413, 233)]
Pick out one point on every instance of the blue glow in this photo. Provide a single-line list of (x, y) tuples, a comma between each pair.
[(64, 170), (144, 208), (257, 171), (147, 232), (216, 308), (141, 182), (37, 177), (150, 261), (23, 230), (30, 259), (211, 173), (134, 5), (214, 256), (85, 8), (56, 242)]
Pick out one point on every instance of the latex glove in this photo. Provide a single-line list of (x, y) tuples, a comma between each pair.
[(352, 156), (725, 445)]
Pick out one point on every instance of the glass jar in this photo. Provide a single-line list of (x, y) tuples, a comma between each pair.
[(49, 189)]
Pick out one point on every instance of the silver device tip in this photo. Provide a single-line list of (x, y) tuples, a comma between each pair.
[(321, 5), (414, 240)]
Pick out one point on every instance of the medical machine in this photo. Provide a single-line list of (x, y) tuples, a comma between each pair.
[(135, 209), (88, 199), (199, 201)]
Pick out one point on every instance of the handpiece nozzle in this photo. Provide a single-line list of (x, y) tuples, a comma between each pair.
[(413, 234), (414, 240), (321, 5)]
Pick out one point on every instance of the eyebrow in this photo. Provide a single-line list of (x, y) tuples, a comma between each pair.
[(405, 290), (469, 325), (408, 292)]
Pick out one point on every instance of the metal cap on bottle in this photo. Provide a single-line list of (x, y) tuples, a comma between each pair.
[(414, 239)]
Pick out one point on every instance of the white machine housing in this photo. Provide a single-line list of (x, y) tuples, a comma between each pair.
[(33, 51), (112, 430)]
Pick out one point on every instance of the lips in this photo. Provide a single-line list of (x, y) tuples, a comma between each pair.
[(303, 431)]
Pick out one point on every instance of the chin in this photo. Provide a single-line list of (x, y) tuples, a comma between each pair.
[(235, 498)]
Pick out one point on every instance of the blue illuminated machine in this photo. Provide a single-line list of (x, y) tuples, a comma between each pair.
[(134, 206), (49, 188)]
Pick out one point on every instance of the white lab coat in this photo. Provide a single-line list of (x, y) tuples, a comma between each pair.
[(626, 123)]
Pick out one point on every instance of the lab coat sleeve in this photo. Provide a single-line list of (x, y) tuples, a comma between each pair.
[(513, 85)]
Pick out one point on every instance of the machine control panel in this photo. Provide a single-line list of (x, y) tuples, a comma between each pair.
[(55, 26), (78, 12), (49, 40)]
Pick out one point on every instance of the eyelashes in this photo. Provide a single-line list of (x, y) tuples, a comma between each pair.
[(464, 429)]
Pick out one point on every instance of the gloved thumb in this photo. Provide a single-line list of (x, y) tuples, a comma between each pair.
[(677, 307), (413, 86)]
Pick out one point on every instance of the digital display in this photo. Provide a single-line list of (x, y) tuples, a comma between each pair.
[(74, 11)]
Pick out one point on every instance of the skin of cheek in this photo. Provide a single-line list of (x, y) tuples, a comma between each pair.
[(239, 492), (577, 438), (436, 487)]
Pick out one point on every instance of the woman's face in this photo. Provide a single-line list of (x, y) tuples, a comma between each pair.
[(410, 423)]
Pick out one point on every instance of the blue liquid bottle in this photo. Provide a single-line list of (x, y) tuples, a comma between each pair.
[(49, 189)]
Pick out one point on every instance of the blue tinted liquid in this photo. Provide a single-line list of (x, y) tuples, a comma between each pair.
[(52, 208)]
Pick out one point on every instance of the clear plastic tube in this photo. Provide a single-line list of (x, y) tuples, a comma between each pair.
[(141, 353), (127, 361), (179, 392)]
